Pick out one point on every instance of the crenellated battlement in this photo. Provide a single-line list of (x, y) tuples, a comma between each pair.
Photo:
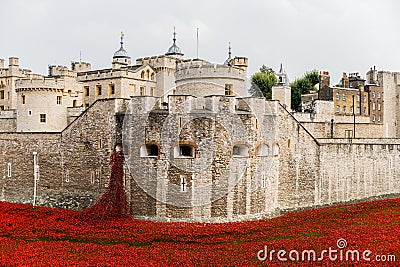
[(158, 62), (44, 83), (61, 71), (198, 69)]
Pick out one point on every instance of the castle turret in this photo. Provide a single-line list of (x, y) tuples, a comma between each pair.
[(282, 91), (202, 78), (80, 66), (121, 57), (174, 50)]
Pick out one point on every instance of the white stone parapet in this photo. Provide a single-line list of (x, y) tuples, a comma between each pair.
[(45, 83)]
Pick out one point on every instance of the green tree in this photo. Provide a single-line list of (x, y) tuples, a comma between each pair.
[(263, 81), (303, 86)]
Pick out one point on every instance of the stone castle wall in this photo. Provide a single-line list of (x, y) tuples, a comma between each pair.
[(356, 170), (73, 164), (298, 171), (8, 121)]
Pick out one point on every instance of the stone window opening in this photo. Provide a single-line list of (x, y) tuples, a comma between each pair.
[(74, 103), (240, 151), (180, 123), (2, 94), (184, 151), (275, 150), (152, 89), (263, 180), (23, 99), (142, 75), (111, 89), (152, 76), (147, 74), (9, 170), (29, 112), (42, 118), (142, 90), (149, 150), (86, 89), (183, 184), (262, 150), (337, 96), (99, 143), (379, 94), (59, 100), (344, 97), (98, 89), (228, 89)]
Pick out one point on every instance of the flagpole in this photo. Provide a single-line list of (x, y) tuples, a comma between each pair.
[(197, 42)]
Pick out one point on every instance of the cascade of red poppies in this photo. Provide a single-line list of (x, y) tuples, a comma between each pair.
[(113, 204)]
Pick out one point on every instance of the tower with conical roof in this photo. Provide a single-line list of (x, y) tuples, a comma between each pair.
[(282, 78), (282, 91), (174, 50), (121, 57)]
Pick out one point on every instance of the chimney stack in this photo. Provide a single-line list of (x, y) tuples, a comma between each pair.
[(324, 80)]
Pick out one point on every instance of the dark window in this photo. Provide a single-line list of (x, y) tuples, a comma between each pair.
[(228, 89), (186, 151), (112, 89), (149, 150), (43, 118)]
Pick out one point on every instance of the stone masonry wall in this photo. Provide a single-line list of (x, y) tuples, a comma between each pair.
[(297, 171), (358, 169)]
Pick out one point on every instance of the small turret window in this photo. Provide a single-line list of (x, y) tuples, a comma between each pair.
[(149, 150), (42, 118), (228, 89), (184, 151), (276, 150), (262, 150), (240, 151)]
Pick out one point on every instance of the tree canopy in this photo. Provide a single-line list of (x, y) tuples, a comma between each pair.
[(303, 86), (263, 81)]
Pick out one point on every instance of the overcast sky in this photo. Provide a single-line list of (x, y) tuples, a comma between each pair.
[(333, 35)]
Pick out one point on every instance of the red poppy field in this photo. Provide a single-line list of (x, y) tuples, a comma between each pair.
[(55, 237)]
